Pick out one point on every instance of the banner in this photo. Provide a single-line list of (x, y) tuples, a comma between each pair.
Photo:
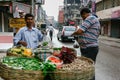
[(20, 7), (17, 22), (40, 2)]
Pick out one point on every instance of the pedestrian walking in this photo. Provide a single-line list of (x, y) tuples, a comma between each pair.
[(28, 36), (50, 30), (88, 35)]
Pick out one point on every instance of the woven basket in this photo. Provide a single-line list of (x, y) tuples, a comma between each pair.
[(18, 55), (77, 74), (16, 74), (10, 54)]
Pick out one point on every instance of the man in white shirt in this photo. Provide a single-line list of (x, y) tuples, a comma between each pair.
[(51, 30)]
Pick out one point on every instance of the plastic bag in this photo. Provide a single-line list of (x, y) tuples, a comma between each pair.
[(47, 40), (76, 45)]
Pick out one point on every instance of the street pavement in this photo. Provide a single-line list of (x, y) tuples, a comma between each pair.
[(7, 42), (114, 42)]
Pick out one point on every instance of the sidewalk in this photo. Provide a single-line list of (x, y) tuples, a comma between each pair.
[(6, 41), (115, 42)]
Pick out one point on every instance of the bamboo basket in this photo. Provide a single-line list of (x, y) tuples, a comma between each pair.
[(8, 73), (76, 74), (18, 55), (10, 54)]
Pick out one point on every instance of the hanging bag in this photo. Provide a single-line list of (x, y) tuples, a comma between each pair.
[(76, 44)]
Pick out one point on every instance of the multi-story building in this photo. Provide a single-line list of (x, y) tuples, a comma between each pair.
[(71, 11), (108, 12), (41, 17), (61, 15), (14, 8), (50, 20), (11, 9)]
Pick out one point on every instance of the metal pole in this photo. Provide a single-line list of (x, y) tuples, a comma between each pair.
[(32, 3), (2, 22)]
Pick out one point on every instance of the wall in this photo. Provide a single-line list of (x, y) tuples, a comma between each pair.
[(107, 12)]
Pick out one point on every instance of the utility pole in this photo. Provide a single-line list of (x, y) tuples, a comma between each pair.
[(32, 3)]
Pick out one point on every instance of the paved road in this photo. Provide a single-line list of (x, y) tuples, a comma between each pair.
[(108, 63)]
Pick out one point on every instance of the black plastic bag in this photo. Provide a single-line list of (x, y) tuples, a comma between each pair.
[(76, 44)]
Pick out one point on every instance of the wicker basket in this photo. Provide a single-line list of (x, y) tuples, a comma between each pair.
[(78, 74), (16, 74), (18, 55), (10, 54)]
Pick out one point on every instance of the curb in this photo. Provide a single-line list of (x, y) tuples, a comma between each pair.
[(110, 40), (3, 51), (117, 40), (111, 43)]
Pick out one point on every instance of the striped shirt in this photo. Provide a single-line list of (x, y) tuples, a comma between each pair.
[(91, 30)]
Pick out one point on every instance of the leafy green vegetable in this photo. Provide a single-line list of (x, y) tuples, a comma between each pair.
[(45, 43), (56, 48), (29, 64), (24, 63), (47, 68)]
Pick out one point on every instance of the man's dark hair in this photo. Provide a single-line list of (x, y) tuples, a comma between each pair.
[(28, 15), (84, 10)]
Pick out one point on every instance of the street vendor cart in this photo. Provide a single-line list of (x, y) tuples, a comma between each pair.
[(59, 63)]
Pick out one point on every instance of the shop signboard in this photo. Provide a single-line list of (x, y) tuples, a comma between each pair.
[(115, 14), (17, 22), (39, 1)]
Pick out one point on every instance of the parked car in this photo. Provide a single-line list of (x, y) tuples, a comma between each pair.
[(65, 33)]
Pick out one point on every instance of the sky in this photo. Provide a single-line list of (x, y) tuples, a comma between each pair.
[(52, 7)]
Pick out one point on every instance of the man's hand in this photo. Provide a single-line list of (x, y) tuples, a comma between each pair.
[(23, 43), (78, 32), (74, 34)]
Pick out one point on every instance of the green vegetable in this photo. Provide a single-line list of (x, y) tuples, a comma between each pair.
[(29, 64), (45, 43), (56, 48), (25, 63), (47, 68)]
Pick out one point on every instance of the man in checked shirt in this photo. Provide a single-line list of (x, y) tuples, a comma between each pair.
[(88, 33)]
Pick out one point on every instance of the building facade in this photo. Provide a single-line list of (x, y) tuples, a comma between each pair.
[(71, 11), (108, 12), (61, 15), (17, 9), (8, 9)]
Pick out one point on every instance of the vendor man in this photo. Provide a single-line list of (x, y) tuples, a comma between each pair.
[(28, 36)]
